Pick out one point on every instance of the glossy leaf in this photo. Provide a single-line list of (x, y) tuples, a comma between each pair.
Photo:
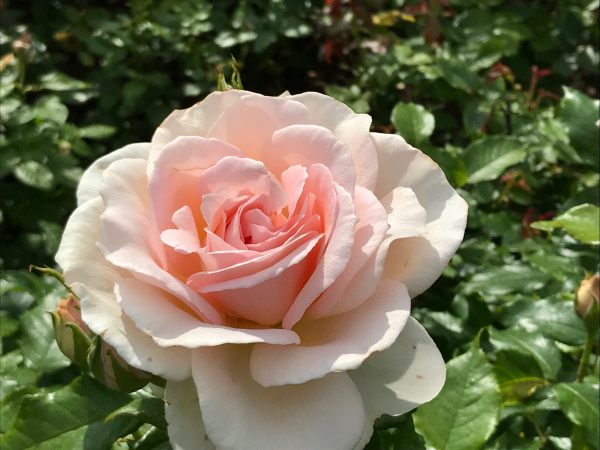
[(38, 343), (35, 174), (413, 122), (580, 113), (542, 350), (465, 413), (507, 279), (555, 319), (519, 376), (488, 158), (580, 403), (67, 418), (582, 222)]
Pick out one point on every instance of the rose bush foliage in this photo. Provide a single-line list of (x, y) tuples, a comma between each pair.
[(260, 254)]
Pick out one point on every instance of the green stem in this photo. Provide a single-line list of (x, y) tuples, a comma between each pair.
[(536, 425), (20, 74), (53, 273), (585, 356)]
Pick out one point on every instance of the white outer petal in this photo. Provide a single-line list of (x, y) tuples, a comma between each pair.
[(93, 278), (240, 414), (91, 180), (195, 120), (409, 373), (101, 312), (419, 261), (337, 343), (182, 411)]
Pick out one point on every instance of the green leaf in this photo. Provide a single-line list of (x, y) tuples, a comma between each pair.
[(8, 325), (97, 131), (505, 280), (488, 158), (51, 108), (413, 122), (555, 319), (57, 81), (153, 439), (458, 74), (402, 436), (580, 114), (352, 96), (37, 341), (11, 405), (13, 375), (35, 174), (518, 375), (582, 222), (146, 408), (542, 350), (579, 402), (560, 267), (465, 413), (71, 417)]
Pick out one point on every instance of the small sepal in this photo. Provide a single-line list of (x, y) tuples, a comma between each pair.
[(110, 369)]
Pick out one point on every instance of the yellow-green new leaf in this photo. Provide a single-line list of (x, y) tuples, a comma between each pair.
[(582, 222)]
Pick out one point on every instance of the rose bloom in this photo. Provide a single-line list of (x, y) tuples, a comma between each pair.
[(260, 254)]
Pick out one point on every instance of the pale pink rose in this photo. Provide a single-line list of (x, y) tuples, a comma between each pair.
[(260, 254)]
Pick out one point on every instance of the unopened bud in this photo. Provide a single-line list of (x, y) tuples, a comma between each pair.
[(70, 332), (587, 301), (111, 370)]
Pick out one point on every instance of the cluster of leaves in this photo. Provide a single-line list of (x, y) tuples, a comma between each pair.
[(499, 93)]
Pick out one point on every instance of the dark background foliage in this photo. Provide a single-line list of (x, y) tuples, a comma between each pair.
[(501, 94)]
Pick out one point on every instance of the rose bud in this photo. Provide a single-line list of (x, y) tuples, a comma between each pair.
[(71, 334), (112, 371), (586, 301)]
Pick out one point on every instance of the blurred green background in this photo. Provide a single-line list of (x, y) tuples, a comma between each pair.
[(502, 94)]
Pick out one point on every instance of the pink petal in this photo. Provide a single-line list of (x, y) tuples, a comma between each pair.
[(174, 172), (265, 294), (369, 234), (350, 128), (125, 238), (407, 219), (194, 121), (250, 122), (306, 145), (185, 238), (102, 313), (246, 176), (156, 313), (406, 216), (293, 179), (336, 255), (255, 270)]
